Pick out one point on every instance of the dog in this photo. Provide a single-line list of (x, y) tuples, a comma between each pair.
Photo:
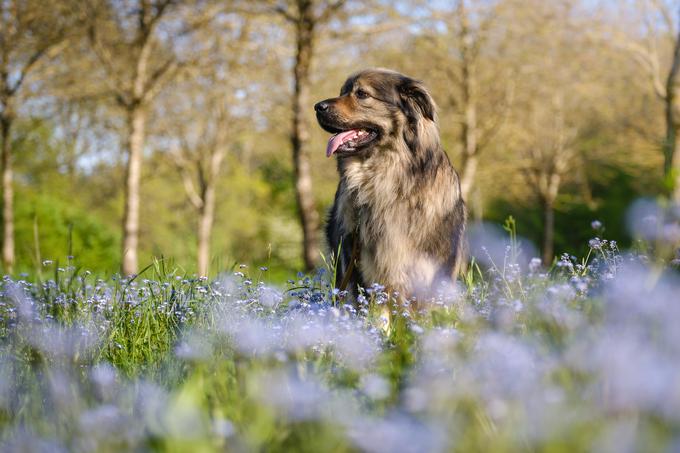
[(398, 218)]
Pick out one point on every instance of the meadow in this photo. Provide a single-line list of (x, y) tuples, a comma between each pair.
[(147, 143), (583, 355)]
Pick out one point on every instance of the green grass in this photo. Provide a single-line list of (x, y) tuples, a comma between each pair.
[(583, 355)]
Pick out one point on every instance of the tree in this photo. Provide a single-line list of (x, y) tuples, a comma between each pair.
[(305, 17), (210, 106), (477, 86), (137, 62), (204, 132), (29, 34), (657, 52), (548, 153), (551, 104), (199, 161), (470, 40)]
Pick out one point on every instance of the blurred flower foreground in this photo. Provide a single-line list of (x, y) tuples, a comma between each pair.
[(581, 356)]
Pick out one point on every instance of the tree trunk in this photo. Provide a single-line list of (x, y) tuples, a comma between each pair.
[(671, 164), (548, 231), (469, 133), (468, 171), (7, 197), (548, 194), (135, 149), (670, 142), (205, 223), (675, 169), (309, 218), (469, 130), (671, 176)]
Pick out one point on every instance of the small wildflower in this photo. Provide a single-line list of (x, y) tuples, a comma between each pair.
[(595, 243)]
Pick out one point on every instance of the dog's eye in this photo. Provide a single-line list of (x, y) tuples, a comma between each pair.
[(361, 94)]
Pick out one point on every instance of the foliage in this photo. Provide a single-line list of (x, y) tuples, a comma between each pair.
[(50, 229), (607, 198), (68, 139)]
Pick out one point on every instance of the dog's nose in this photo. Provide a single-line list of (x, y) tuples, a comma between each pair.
[(321, 106)]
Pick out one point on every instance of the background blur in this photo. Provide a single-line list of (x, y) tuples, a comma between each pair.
[(189, 124)]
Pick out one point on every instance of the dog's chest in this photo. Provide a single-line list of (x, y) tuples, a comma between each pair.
[(369, 197), (373, 208)]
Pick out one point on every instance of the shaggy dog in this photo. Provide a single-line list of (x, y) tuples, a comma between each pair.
[(398, 218)]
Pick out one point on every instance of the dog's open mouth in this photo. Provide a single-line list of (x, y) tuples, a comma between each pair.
[(348, 141)]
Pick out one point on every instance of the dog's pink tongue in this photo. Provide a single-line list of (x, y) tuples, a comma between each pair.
[(336, 140)]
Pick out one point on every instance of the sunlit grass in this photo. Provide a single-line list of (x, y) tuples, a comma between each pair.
[(580, 355)]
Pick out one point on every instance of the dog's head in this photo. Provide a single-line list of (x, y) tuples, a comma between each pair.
[(375, 106)]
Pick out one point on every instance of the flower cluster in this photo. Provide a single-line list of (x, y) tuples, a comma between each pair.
[(518, 355)]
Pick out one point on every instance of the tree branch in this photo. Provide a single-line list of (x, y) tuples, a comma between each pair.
[(330, 10), (157, 81), (181, 164), (285, 13), (115, 83)]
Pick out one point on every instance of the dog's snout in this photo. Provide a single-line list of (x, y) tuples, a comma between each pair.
[(321, 106)]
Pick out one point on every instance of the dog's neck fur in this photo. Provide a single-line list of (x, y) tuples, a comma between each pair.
[(384, 176)]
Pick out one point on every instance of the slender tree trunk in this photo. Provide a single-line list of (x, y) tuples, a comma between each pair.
[(468, 172), (205, 224), (548, 196), (671, 175), (469, 130), (675, 169), (548, 231), (135, 149), (671, 140), (309, 218), (671, 161), (469, 133), (7, 197)]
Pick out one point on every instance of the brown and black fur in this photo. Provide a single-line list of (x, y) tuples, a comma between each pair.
[(398, 196)]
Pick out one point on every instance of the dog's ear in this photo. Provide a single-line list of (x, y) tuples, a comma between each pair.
[(414, 95)]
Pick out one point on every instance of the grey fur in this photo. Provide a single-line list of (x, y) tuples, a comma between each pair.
[(398, 195)]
